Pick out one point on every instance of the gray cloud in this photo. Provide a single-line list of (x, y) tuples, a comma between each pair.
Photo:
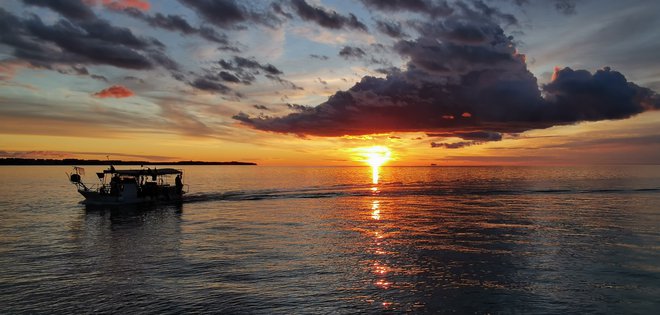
[(325, 17), (72, 9), (179, 24), (391, 28), (564, 6), (475, 135), (89, 41), (352, 52), (454, 145), (319, 57), (298, 107), (238, 70), (230, 14), (473, 138), (429, 7), (210, 84)]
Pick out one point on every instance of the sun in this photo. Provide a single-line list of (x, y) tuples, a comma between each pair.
[(375, 156)]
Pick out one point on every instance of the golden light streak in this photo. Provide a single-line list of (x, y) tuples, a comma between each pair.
[(375, 213)]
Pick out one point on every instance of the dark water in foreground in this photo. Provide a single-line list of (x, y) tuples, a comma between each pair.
[(326, 240)]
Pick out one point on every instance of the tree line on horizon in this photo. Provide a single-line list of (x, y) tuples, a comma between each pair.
[(25, 161)]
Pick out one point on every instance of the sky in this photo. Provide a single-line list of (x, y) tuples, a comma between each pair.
[(313, 82)]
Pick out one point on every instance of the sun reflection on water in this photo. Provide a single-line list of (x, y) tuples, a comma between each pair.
[(375, 212), (378, 266), (374, 172)]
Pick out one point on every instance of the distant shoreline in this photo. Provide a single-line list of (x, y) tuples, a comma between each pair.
[(21, 161)]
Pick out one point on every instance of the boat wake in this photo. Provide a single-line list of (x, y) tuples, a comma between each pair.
[(397, 189)]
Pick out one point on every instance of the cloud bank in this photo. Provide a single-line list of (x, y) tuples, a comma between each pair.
[(464, 78)]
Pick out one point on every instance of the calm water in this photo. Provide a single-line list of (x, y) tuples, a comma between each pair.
[(327, 240)]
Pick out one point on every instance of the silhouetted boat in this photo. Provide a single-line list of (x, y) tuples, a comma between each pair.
[(130, 186)]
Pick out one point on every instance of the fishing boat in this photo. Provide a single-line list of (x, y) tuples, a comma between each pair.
[(130, 186)]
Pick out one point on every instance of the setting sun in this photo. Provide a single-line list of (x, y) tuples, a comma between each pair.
[(375, 156)]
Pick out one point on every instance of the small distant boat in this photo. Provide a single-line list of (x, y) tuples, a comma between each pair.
[(130, 186)]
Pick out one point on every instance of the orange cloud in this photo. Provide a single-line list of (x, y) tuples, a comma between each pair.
[(554, 74), (116, 91), (123, 4), (9, 68)]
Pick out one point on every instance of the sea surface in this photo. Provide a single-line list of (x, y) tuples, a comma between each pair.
[(318, 240)]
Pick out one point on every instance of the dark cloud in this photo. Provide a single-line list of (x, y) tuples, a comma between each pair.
[(298, 107), (454, 145), (238, 70), (391, 28), (261, 107), (240, 63), (325, 17), (475, 135), (577, 95), (99, 77), (177, 23), (72, 9), (211, 85), (89, 41), (230, 14), (319, 57), (494, 13), (473, 138), (465, 79), (429, 7), (228, 77), (277, 8), (352, 52), (73, 69), (284, 82), (132, 78), (244, 70), (388, 71), (564, 6)]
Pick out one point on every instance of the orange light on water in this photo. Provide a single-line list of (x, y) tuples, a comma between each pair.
[(384, 284), (375, 213)]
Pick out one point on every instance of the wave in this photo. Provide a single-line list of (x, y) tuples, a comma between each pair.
[(396, 189)]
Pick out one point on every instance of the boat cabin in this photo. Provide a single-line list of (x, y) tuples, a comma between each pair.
[(131, 186)]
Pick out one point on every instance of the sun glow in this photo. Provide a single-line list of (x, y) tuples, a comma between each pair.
[(375, 157)]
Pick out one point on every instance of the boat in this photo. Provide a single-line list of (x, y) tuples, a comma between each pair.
[(130, 186)]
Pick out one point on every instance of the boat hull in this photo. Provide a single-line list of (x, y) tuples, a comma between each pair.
[(96, 198)]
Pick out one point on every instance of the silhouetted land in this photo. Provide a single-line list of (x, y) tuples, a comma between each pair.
[(19, 161)]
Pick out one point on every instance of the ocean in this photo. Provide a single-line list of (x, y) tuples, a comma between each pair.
[(317, 240)]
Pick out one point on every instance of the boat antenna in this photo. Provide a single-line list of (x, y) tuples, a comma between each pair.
[(112, 168)]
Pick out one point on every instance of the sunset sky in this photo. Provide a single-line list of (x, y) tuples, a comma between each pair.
[(306, 82)]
